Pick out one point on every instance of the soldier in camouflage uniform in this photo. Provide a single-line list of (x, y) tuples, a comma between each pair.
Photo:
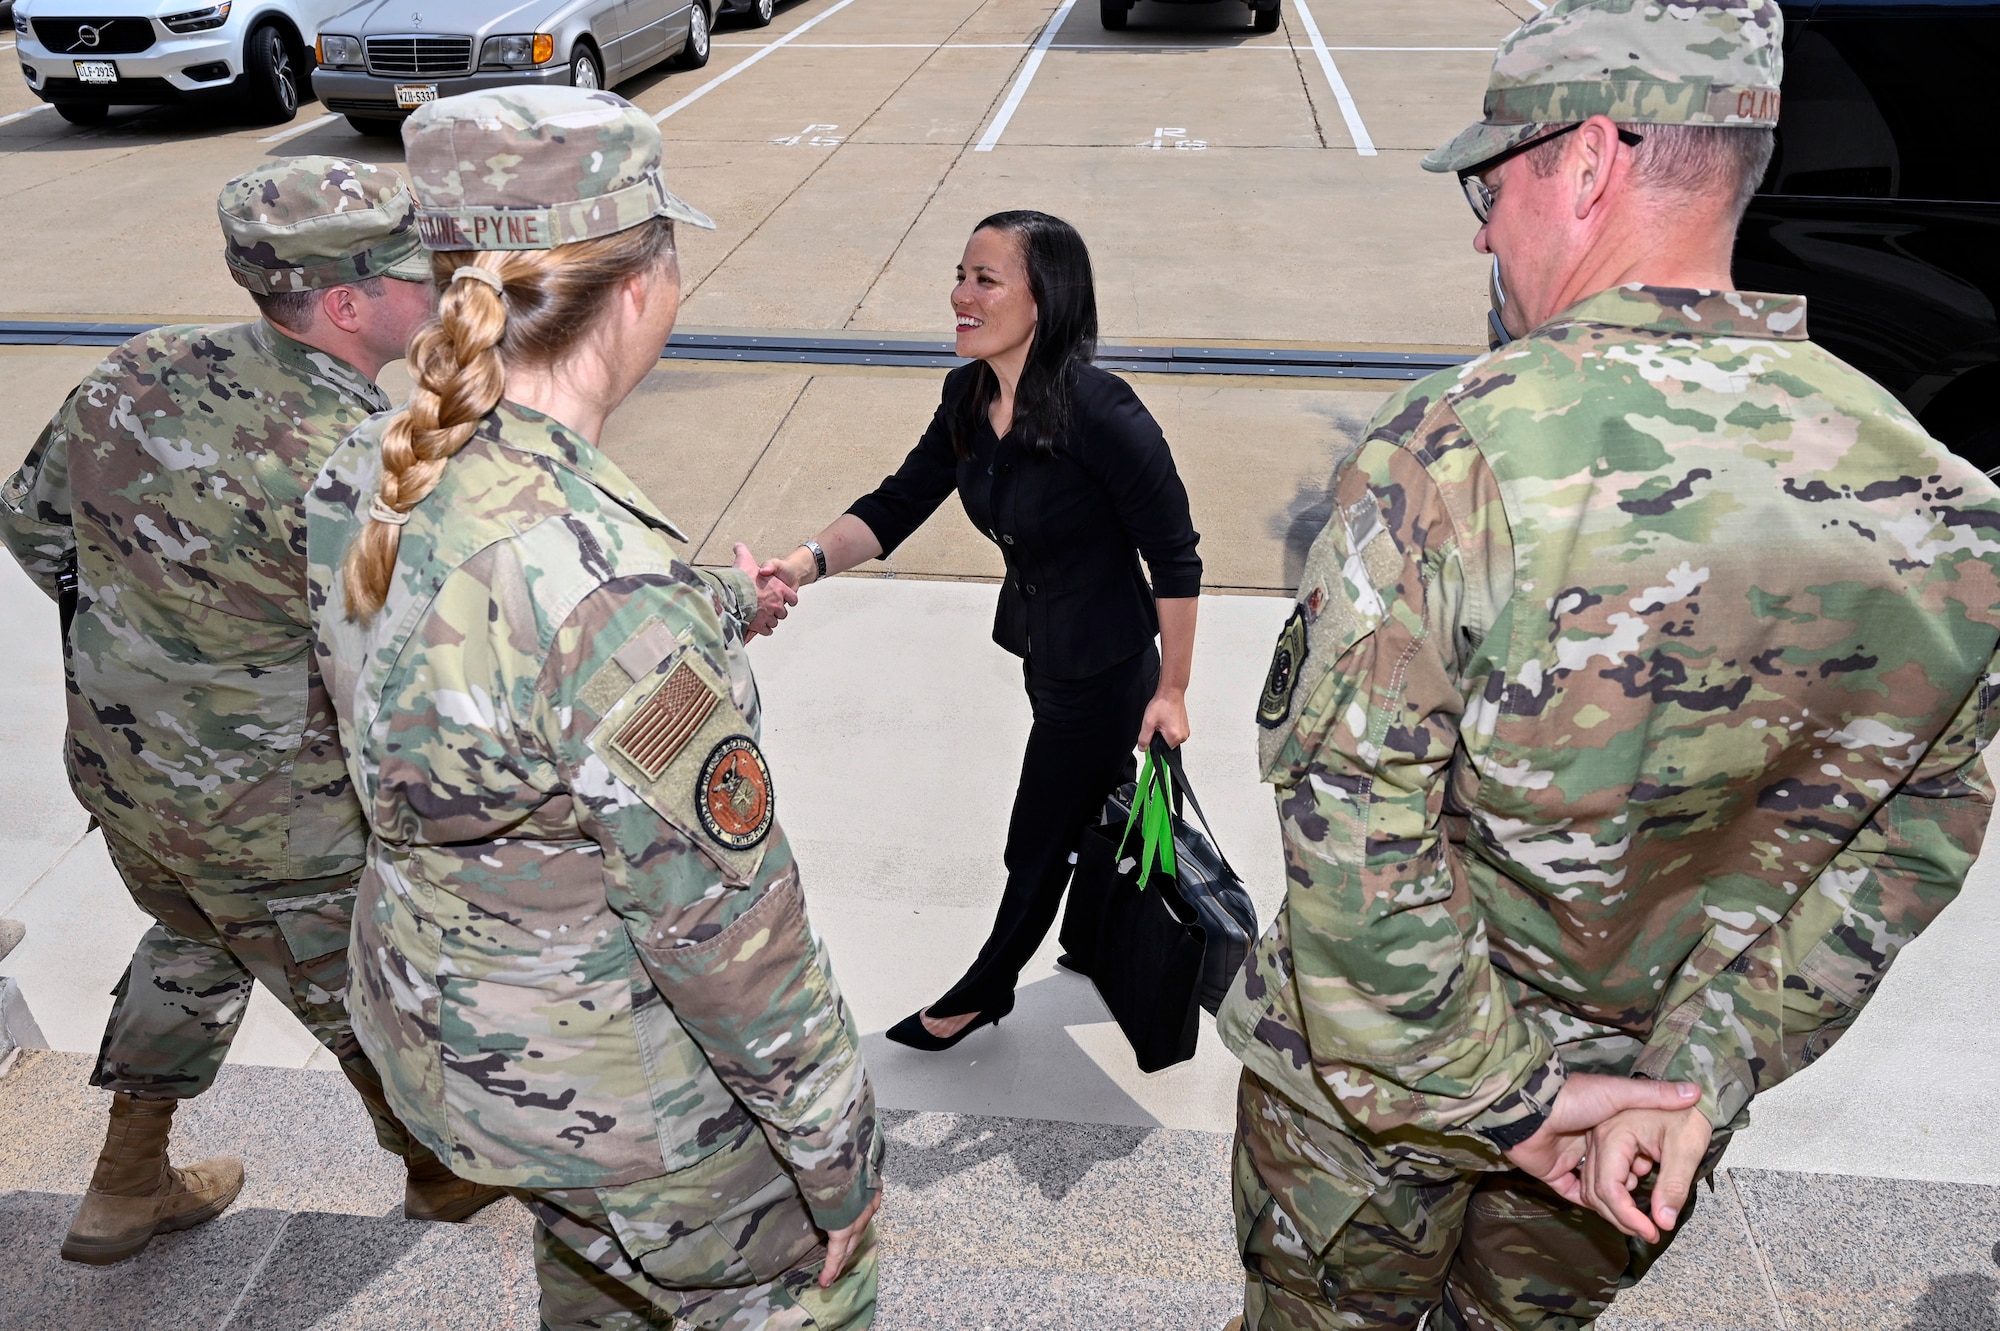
[(1626, 727), (582, 958), (161, 507)]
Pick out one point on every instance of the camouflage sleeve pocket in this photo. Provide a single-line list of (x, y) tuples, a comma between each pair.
[(678, 741), (317, 925), (1341, 602)]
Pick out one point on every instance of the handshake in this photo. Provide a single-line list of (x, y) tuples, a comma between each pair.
[(1604, 1134), (777, 584)]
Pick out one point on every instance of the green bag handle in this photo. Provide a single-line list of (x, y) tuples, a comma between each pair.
[(1153, 813)]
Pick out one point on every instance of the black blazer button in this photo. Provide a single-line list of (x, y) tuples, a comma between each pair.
[(1007, 540), (1029, 589)]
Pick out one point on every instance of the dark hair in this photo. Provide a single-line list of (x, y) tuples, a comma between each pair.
[(297, 311), (1065, 332)]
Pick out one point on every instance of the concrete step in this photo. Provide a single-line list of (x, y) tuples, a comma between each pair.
[(990, 1222)]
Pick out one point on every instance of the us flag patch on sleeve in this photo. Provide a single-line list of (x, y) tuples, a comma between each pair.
[(659, 727)]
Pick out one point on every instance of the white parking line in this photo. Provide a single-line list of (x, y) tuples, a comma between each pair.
[(1363, 145), (857, 46), (284, 134), (8, 120), (1027, 76), (734, 70), (1073, 46)]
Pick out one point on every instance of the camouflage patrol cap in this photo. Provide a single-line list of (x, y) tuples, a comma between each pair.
[(1660, 62), (531, 168), (312, 222)]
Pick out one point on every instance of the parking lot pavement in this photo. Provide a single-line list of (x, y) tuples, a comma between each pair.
[(847, 149)]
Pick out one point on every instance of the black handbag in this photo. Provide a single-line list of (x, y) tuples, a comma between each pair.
[(1221, 903), (1161, 925)]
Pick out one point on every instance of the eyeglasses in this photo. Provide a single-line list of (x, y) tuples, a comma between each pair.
[(1481, 195)]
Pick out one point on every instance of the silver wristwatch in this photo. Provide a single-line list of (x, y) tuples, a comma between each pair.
[(819, 559)]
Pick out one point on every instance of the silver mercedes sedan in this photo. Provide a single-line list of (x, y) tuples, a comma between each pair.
[(384, 58)]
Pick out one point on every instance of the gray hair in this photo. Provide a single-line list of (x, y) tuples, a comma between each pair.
[(1704, 160)]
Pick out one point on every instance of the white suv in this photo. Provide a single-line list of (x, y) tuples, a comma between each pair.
[(85, 56)]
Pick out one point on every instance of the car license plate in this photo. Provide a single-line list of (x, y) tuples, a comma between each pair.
[(415, 94), (96, 71)]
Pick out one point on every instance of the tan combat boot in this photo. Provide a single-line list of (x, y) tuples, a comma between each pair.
[(433, 1192), (136, 1194)]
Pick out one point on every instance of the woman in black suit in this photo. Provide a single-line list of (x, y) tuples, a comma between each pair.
[(1062, 467)]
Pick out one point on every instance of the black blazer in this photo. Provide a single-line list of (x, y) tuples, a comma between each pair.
[(1071, 527)]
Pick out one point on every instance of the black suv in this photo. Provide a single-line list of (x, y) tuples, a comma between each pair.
[(1882, 206)]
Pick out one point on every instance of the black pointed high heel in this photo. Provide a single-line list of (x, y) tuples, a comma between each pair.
[(911, 1030)]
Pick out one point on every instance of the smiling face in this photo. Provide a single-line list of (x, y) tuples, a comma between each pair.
[(995, 307)]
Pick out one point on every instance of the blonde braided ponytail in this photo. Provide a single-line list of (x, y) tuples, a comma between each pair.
[(546, 302)]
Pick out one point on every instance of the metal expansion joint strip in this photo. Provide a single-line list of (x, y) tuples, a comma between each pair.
[(1275, 362)]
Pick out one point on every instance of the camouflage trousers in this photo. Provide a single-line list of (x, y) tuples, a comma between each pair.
[(1339, 1232), (182, 999), (724, 1245)]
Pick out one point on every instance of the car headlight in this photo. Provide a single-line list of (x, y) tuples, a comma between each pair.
[(339, 50), (198, 20), (20, 21), (523, 49)]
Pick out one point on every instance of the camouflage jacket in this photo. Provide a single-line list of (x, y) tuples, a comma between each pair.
[(581, 952), (173, 476), (1633, 699)]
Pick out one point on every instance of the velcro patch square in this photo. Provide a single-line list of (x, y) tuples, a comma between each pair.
[(660, 726)]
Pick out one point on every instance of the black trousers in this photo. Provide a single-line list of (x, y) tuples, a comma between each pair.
[(1079, 751)]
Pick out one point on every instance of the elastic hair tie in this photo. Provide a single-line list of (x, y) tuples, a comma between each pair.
[(478, 274), (381, 512)]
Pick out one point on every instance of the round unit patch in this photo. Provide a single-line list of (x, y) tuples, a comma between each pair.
[(733, 795), (1286, 661)]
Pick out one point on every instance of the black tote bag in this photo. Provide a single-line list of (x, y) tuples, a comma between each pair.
[(1161, 928), (1220, 902)]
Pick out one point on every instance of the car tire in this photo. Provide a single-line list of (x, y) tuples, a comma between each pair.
[(270, 78), (1111, 14), (383, 128), (83, 113), (760, 13), (695, 53), (584, 69), (1264, 20)]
